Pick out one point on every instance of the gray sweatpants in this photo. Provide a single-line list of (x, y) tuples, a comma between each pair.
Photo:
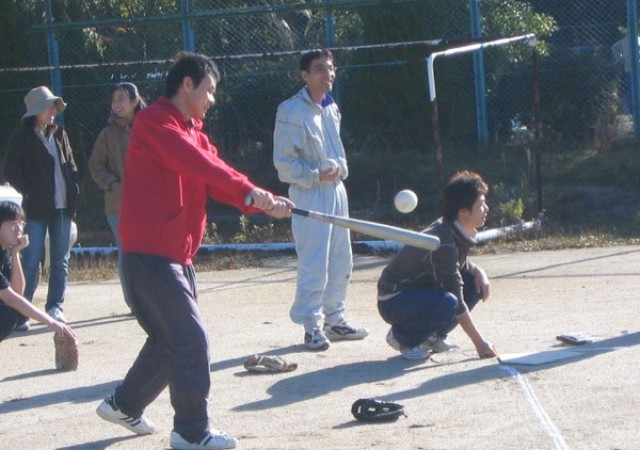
[(324, 254), (163, 294)]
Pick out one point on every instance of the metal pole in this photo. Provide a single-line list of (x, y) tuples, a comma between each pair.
[(435, 121), (431, 79), (537, 125), (188, 40), (53, 50), (330, 30), (479, 78), (632, 34)]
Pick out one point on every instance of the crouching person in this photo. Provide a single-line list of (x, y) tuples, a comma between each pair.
[(425, 294), (14, 308)]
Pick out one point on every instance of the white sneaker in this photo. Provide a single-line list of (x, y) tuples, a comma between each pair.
[(23, 326), (438, 345), (344, 331), (392, 341), (217, 440), (56, 313), (420, 351), (316, 340), (109, 411)]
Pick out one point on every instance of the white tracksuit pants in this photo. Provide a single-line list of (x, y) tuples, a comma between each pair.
[(324, 256)]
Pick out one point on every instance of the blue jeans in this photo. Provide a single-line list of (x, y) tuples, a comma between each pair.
[(418, 312), (59, 226), (113, 224)]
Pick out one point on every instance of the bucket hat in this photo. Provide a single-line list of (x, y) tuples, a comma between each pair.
[(39, 98)]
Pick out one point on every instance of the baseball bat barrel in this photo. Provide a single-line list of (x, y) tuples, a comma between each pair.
[(388, 232)]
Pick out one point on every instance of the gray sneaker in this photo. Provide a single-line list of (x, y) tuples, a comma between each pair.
[(109, 411), (420, 351), (56, 313), (316, 340), (217, 440), (344, 331), (439, 345), (23, 326), (392, 341)]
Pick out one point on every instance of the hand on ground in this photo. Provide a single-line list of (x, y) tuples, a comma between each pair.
[(486, 349)]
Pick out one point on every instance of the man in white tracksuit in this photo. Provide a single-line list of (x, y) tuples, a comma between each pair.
[(309, 156)]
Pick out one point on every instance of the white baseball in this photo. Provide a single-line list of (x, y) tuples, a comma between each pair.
[(405, 201), (329, 164)]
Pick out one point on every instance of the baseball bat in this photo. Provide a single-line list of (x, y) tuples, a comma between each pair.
[(495, 233), (388, 232)]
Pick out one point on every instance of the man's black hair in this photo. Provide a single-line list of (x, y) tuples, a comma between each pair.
[(193, 65), (10, 211), (461, 192), (307, 58)]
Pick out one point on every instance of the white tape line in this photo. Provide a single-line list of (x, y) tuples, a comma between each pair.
[(535, 404)]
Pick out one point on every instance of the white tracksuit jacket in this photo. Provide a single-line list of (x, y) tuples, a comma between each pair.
[(305, 134)]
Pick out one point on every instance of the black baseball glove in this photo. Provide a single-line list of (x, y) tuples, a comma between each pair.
[(372, 410)]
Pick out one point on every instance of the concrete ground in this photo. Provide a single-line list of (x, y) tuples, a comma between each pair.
[(453, 401)]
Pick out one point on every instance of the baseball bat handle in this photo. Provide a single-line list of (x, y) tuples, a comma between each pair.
[(300, 212)]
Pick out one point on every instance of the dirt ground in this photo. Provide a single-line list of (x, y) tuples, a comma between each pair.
[(453, 401)]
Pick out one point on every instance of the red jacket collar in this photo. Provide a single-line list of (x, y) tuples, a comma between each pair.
[(193, 122)]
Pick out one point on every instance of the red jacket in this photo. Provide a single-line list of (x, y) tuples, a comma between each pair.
[(170, 169)]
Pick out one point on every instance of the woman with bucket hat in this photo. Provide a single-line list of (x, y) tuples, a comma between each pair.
[(39, 164)]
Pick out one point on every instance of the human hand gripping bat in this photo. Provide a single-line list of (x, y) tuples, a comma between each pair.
[(273, 205)]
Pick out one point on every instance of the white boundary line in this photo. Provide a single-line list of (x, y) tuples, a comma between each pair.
[(548, 425)]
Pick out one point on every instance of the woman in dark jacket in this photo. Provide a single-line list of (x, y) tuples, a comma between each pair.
[(39, 164)]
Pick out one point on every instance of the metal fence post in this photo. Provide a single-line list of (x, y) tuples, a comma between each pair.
[(330, 30), (537, 125), (187, 32), (479, 79), (632, 34), (435, 120), (53, 54)]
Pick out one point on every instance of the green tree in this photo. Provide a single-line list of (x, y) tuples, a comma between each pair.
[(17, 46)]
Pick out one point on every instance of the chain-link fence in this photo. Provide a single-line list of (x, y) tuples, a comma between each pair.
[(380, 50)]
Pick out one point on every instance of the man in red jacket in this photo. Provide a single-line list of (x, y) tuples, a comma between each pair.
[(170, 169)]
